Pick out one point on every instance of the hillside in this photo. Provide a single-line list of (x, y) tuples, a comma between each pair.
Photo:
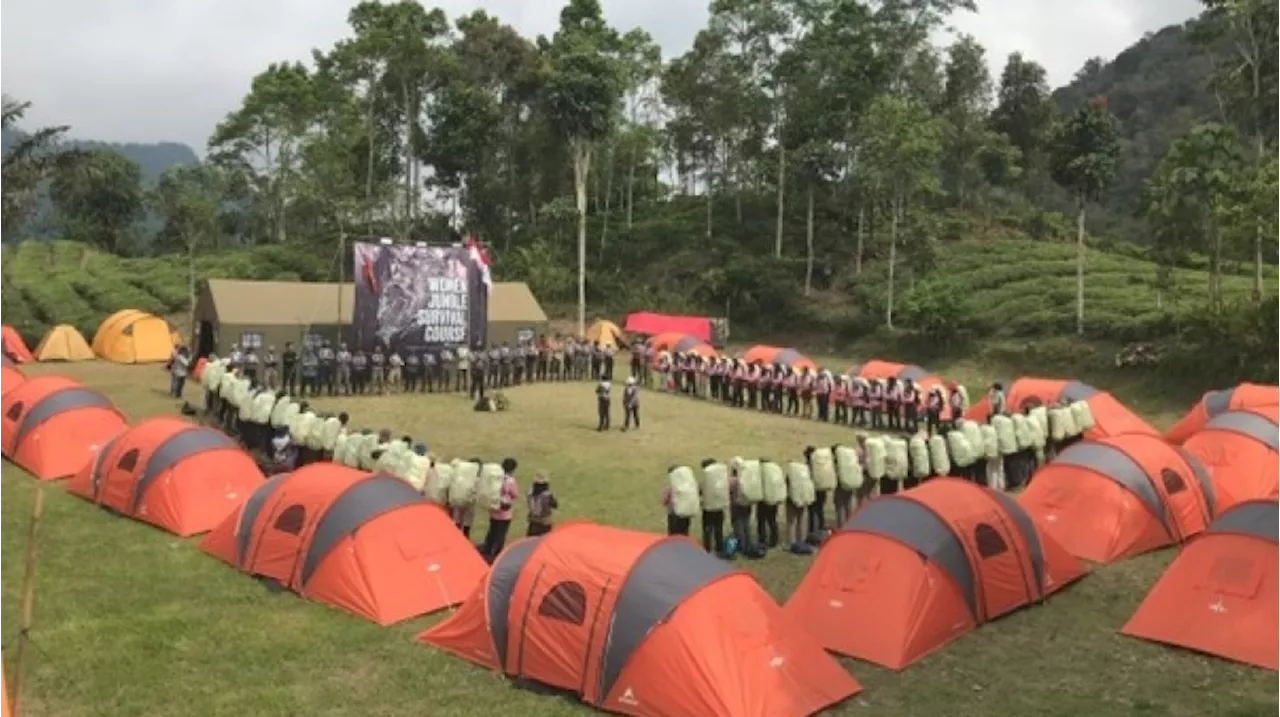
[(152, 158)]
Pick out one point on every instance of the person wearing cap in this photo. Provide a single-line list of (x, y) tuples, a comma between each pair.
[(542, 504), (631, 404), (604, 398)]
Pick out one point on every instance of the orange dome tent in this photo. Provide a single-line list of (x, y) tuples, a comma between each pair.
[(10, 378), (1214, 403), (367, 544), (1118, 497), (170, 473), (876, 368), (1110, 417), (52, 425), (132, 336), (910, 572), (642, 625), (1241, 451), (774, 355), (14, 348), (683, 343), (1220, 594)]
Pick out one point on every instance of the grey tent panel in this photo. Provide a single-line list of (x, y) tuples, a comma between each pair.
[(1202, 477), (686, 343), (912, 373), (1029, 534), (1216, 402), (855, 370), (252, 506), (5, 360), (788, 357), (1250, 424), (502, 583), (1259, 518), (664, 576), (60, 401), (176, 448), (359, 503), (95, 474), (1076, 391), (1113, 463), (920, 529)]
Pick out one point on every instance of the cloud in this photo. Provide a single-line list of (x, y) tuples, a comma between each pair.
[(152, 70)]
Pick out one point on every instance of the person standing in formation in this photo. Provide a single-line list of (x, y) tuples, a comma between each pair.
[(631, 405), (327, 373), (378, 370), (342, 368), (271, 369)]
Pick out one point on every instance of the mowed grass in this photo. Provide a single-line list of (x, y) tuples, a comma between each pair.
[(131, 621)]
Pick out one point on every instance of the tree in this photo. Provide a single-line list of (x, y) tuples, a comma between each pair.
[(189, 201), (99, 199), (28, 163), (903, 145), (582, 89), (1083, 153), (966, 98), (1024, 111)]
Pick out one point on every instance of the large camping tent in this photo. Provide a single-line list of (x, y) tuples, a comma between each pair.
[(910, 572), (1214, 403), (271, 313), (683, 344), (1220, 595), (52, 425), (773, 355), (1118, 497), (605, 333), (367, 544), (63, 343), (10, 377), (651, 324), (642, 625), (1241, 451), (133, 336), (1110, 417), (14, 348), (170, 473), (923, 379)]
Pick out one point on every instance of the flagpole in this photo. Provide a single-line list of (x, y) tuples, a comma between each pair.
[(28, 593)]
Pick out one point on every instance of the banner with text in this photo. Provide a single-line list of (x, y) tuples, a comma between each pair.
[(415, 298)]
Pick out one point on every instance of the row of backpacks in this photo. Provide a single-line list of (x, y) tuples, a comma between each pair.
[(886, 457), (456, 484)]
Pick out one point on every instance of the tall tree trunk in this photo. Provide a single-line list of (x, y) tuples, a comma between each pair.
[(782, 191), (1260, 148), (893, 260), (368, 169), (1215, 267), (608, 202), (862, 243), (407, 221), (631, 188), (581, 166), (737, 189), (808, 242), (1080, 205), (711, 195)]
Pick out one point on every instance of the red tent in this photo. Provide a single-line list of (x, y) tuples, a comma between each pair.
[(910, 572), (922, 378), (52, 425), (644, 322), (773, 355), (1111, 418), (1240, 451), (643, 625), (172, 474), (367, 544), (1213, 403), (682, 343), (13, 345), (10, 377), (1220, 594)]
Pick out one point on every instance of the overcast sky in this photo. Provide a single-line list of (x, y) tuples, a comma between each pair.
[(152, 70)]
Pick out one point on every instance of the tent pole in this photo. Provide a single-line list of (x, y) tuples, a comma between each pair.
[(28, 598)]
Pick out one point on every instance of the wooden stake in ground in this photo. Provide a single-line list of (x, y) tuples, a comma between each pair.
[(28, 597)]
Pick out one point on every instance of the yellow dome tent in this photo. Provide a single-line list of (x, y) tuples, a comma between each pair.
[(132, 336), (63, 343), (607, 333)]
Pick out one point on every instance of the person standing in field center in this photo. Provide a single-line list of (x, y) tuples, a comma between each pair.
[(342, 364), (631, 404), (603, 399)]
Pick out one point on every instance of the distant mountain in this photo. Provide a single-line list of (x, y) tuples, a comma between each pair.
[(153, 158)]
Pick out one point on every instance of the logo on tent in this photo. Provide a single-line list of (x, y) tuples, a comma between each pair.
[(777, 662), (629, 698), (836, 604), (1218, 607)]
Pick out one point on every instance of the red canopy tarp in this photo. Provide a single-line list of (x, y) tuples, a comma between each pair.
[(644, 322)]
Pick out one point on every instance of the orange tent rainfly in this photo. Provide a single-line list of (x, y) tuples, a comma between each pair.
[(1220, 594), (1240, 451), (52, 425), (175, 475), (774, 355), (903, 372), (14, 348), (10, 377), (1110, 417), (683, 343), (1214, 403), (367, 544), (132, 336), (641, 625), (910, 572), (1112, 499)]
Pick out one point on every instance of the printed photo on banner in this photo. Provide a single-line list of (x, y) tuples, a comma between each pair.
[(417, 298)]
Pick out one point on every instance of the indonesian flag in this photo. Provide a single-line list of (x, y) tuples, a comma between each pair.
[(480, 257)]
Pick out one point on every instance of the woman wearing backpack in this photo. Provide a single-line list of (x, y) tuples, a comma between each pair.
[(680, 498)]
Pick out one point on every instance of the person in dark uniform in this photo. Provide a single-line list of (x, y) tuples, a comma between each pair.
[(289, 369), (359, 372), (271, 369), (251, 364), (430, 372), (328, 368), (631, 404), (479, 373), (603, 401), (412, 370)]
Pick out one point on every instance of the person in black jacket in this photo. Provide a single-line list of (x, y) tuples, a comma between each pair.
[(289, 369)]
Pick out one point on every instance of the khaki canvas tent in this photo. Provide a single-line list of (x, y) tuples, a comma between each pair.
[(270, 313)]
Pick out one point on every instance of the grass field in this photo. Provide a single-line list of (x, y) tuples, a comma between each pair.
[(130, 621)]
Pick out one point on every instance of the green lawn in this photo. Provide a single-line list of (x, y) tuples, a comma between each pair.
[(130, 621)]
